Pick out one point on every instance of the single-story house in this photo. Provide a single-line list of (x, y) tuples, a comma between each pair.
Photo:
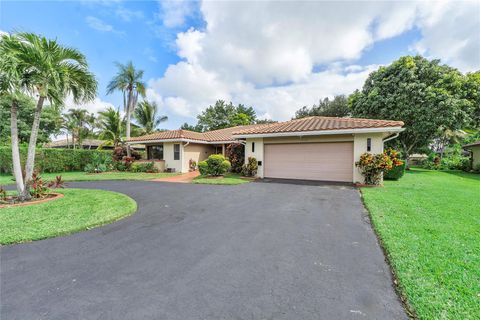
[(475, 153), (312, 148)]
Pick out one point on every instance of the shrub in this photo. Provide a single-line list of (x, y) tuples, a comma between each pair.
[(57, 183), (3, 194), (250, 168), (236, 155), (192, 164), (143, 167), (120, 152), (37, 186), (450, 161), (476, 168), (215, 165), (373, 166), (395, 173), (98, 165), (203, 168), (53, 160)]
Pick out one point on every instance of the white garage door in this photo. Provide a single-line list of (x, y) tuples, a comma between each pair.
[(309, 161)]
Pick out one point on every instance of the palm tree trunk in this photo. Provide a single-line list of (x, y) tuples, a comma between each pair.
[(17, 166), (129, 110), (32, 144)]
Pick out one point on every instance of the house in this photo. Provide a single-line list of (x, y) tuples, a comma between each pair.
[(312, 148), (475, 153), (86, 144)]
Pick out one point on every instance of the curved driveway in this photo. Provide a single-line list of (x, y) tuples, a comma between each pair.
[(254, 251)]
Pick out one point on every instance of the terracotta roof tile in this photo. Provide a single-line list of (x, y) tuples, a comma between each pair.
[(304, 124), (316, 123)]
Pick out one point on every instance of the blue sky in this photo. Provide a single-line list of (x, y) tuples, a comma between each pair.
[(274, 56)]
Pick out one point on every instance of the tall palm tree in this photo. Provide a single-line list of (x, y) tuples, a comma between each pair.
[(11, 84), (50, 71), (129, 81), (146, 115), (80, 124), (111, 126)]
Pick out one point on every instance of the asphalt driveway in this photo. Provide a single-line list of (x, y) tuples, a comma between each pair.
[(254, 251)]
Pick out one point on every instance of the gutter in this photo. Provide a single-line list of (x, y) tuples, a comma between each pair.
[(318, 133), (391, 137), (179, 140)]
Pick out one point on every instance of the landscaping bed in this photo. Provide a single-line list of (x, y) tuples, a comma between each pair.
[(429, 225), (77, 210), (228, 179)]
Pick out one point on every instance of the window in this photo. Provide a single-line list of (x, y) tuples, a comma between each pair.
[(369, 144), (253, 146), (176, 152), (155, 152)]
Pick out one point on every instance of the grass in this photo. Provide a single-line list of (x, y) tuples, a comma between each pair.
[(82, 176), (228, 179), (78, 210), (429, 224)]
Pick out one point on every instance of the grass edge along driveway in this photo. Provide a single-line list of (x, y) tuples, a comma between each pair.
[(228, 179), (79, 209), (429, 224), (82, 176)]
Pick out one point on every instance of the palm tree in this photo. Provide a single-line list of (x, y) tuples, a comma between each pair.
[(50, 71), (111, 126), (128, 80), (147, 116), (80, 124), (10, 85)]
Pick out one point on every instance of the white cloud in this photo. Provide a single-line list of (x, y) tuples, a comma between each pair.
[(100, 25), (94, 106), (128, 15), (174, 13), (266, 54)]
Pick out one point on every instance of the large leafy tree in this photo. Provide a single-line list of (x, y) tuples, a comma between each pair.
[(424, 94), (223, 115), (51, 72), (129, 81), (472, 94), (50, 120), (147, 116), (337, 107)]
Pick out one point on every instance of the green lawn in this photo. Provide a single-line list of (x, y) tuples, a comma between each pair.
[(82, 176), (429, 223), (229, 179), (79, 209)]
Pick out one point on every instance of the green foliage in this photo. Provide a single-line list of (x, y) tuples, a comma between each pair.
[(215, 165), (147, 117), (250, 168), (373, 166), (424, 94), (50, 121), (195, 128), (236, 155), (143, 167), (338, 107), (223, 115), (99, 164), (53, 160), (451, 161), (395, 173), (203, 168)]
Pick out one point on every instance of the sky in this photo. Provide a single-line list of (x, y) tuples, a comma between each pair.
[(275, 56)]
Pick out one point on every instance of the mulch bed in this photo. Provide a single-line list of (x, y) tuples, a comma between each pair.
[(12, 201)]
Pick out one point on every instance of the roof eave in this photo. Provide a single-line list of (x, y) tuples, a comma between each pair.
[(318, 132), (179, 140)]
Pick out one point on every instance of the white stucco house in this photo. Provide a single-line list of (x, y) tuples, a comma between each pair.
[(312, 148)]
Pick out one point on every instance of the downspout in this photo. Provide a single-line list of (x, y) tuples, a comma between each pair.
[(392, 137)]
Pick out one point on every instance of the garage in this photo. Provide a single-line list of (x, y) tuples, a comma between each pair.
[(309, 161)]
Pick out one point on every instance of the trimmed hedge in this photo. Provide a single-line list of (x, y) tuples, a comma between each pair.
[(53, 160), (396, 172)]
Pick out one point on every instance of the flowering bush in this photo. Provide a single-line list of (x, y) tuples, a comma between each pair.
[(373, 166), (250, 168)]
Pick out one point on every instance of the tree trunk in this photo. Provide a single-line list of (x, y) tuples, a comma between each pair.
[(32, 144), (17, 166), (129, 110)]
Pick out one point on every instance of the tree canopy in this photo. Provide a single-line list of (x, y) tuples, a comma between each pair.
[(424, 94), (337, 107)]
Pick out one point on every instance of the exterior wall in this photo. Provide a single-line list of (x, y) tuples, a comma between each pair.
[(197, 152), (258, 154), (360, 146), (475, 155), (168, 156)]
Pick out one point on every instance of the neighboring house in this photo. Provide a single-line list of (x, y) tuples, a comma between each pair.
[(86, 144), (312, 148), (475, 152)]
